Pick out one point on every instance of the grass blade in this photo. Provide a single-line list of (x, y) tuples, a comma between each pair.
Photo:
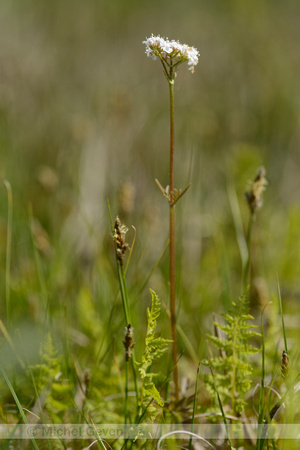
[(13, 393), (221, 406), (8, 251), (281, 314), (194, 405), (261, 411)]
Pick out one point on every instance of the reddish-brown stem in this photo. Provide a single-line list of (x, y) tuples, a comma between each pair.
[(172, 243)]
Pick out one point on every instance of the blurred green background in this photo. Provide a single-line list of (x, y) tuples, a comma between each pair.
[(84, 114)]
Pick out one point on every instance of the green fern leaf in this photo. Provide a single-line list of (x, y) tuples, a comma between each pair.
[(154, 349), (232, 371)]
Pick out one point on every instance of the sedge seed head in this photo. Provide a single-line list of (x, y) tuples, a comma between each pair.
[(120, 231), (128, 342), (254, 195), (285, 365)]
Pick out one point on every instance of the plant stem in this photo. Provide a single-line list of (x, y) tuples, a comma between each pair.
[(172, 241), (246, 274), (234, 358), (126, 392), (128, 321), (260, 441), (194, 406), (281, 315), (126, 308)]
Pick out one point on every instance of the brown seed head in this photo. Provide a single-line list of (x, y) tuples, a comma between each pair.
[(254, 195), (128, 342), (284, 365), (119, 237)]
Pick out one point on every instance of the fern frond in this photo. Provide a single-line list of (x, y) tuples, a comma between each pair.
[(154, 349), (232, 371), (56, 392)]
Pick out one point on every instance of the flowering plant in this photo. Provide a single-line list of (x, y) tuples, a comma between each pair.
[(171, 53)]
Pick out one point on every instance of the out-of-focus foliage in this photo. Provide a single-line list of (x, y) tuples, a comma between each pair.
[(84, 114)]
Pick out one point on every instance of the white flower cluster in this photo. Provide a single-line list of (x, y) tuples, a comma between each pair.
[(171, 51)]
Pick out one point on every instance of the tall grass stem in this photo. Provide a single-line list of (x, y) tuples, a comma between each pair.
[(220, 405), (194, 406), (124, 296), (282, 318), (246, 274), (261, 412), (126, 392)]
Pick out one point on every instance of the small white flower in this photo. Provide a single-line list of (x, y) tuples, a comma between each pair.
[(171, 52)]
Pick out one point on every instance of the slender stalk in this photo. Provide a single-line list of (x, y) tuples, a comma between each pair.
[(246, 274), (281, 315), (8, 251), (194, 406), (124, 296), (260, 441), (126, 392), (221, 407), (128, 321), (172, 240), (121, 276), (254, 199), (234, 358), (172, 136)]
